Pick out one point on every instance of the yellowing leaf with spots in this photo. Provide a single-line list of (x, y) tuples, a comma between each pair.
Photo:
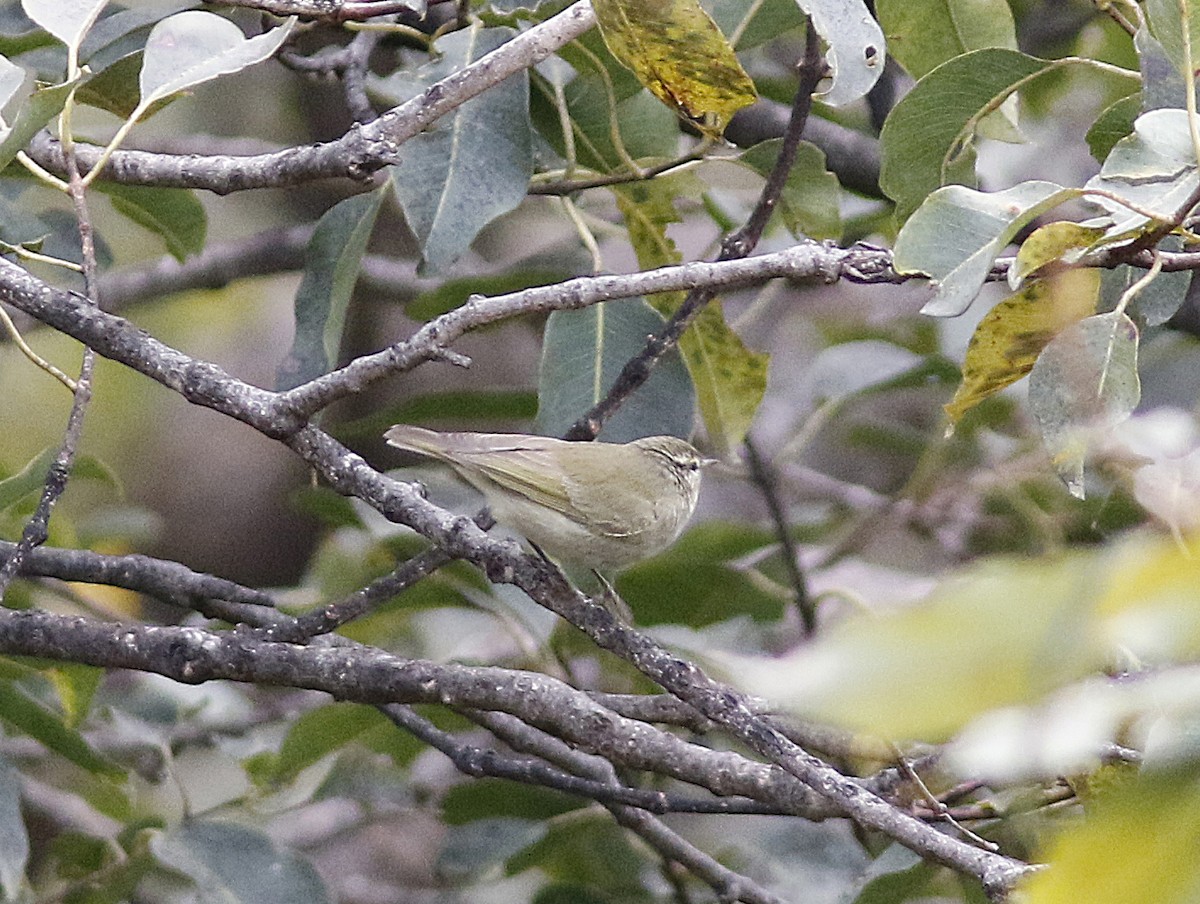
[(676, 50), (1011, 335)]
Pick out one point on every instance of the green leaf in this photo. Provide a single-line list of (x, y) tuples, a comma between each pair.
[(331, 266), (1137, 845), (1156, 302), (895, 875), (40, 107), (676, 50), (809, 204), (1083, 385), (923, 34), (474, 164), (1011, 335), (583, 353), (76, 685), (26, 714), (755, 22), (1112, 125), (1162, 84), (956, 235), (231, 864), (314, 736), (14, 840), (67, 20), (174, 214), (1002, 633), (115, 88), (698, 582), (31, 478), (193, 47), (928, 139)]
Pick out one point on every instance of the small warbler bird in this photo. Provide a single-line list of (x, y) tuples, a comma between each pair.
[(603, 505)]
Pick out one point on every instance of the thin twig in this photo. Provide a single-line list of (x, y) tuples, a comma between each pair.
[(768, 486)]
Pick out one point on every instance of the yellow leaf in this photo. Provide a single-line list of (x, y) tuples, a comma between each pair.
[(676, 50), (1011, 335), (1061, 241)]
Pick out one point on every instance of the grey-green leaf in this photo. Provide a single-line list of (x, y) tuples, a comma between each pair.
[(1084, 383), (956, 235), (67, 20), (193, 47), (231, 864), (474, 164), (857, 48), (331, 267), (14, 840), (582, 353)]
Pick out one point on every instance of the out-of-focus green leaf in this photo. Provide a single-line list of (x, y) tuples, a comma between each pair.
[(588, 849), (26, 714), (894, 876), (809, 204), (677, 51), (31, 478), (493, 798), (1162, 84), (331, 267), (1084, 383), (174, 214), (1011, 335), (582, 355), (957, 233), (482, 844), (1137, 845), (755, 22), (327, 505), (232, 864), (697, 581), (14, 840), (115, 89), (474, 164)]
